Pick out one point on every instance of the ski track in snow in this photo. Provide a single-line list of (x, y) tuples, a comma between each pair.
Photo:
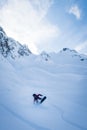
[(33, 125), (67, 120)]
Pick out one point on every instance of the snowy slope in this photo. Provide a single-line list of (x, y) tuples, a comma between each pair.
[(62, 77)]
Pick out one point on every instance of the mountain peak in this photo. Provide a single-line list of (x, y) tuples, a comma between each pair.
[(1, 30), (73, 54), (11, 47), (45, 56), (68, 50)]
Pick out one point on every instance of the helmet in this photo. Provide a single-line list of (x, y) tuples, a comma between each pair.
[(33, 95)]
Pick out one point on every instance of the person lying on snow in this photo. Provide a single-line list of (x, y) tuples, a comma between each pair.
[(37, 97)]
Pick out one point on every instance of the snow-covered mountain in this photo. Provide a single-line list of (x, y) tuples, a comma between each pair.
[(10, 47), (13, 49), (61, 76)]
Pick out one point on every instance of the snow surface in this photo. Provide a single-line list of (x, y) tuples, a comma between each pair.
[(62, 78)]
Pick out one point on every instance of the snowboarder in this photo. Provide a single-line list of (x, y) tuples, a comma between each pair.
[(37, 97)]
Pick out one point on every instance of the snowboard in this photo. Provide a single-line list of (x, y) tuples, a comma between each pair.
[(44, 98)]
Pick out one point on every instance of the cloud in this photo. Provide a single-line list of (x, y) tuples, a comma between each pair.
[(82, 46), (26, 21), (75, 11)]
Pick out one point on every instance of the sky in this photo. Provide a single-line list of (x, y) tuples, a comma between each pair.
[(46, 25)]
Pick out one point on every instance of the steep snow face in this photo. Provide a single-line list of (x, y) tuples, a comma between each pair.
[(11, 48), (62, 77), (64, 84)]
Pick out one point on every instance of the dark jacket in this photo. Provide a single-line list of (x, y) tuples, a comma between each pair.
[(37, 97)]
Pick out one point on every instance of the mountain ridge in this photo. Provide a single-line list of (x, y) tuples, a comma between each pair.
[(14, 49), (11, 47)]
